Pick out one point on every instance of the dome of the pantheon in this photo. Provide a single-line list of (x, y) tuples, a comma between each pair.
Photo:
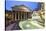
[(22, 8)]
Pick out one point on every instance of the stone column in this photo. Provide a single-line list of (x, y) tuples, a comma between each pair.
[(15, 16), (21, 15), (24, 16), (18, 15), (12, 16)]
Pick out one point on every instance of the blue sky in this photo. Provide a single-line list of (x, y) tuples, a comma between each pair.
[(31, 5)]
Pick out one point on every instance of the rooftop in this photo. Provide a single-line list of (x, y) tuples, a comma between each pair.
[(21, 8)]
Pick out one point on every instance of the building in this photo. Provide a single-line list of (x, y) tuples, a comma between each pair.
[(21, 12)]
